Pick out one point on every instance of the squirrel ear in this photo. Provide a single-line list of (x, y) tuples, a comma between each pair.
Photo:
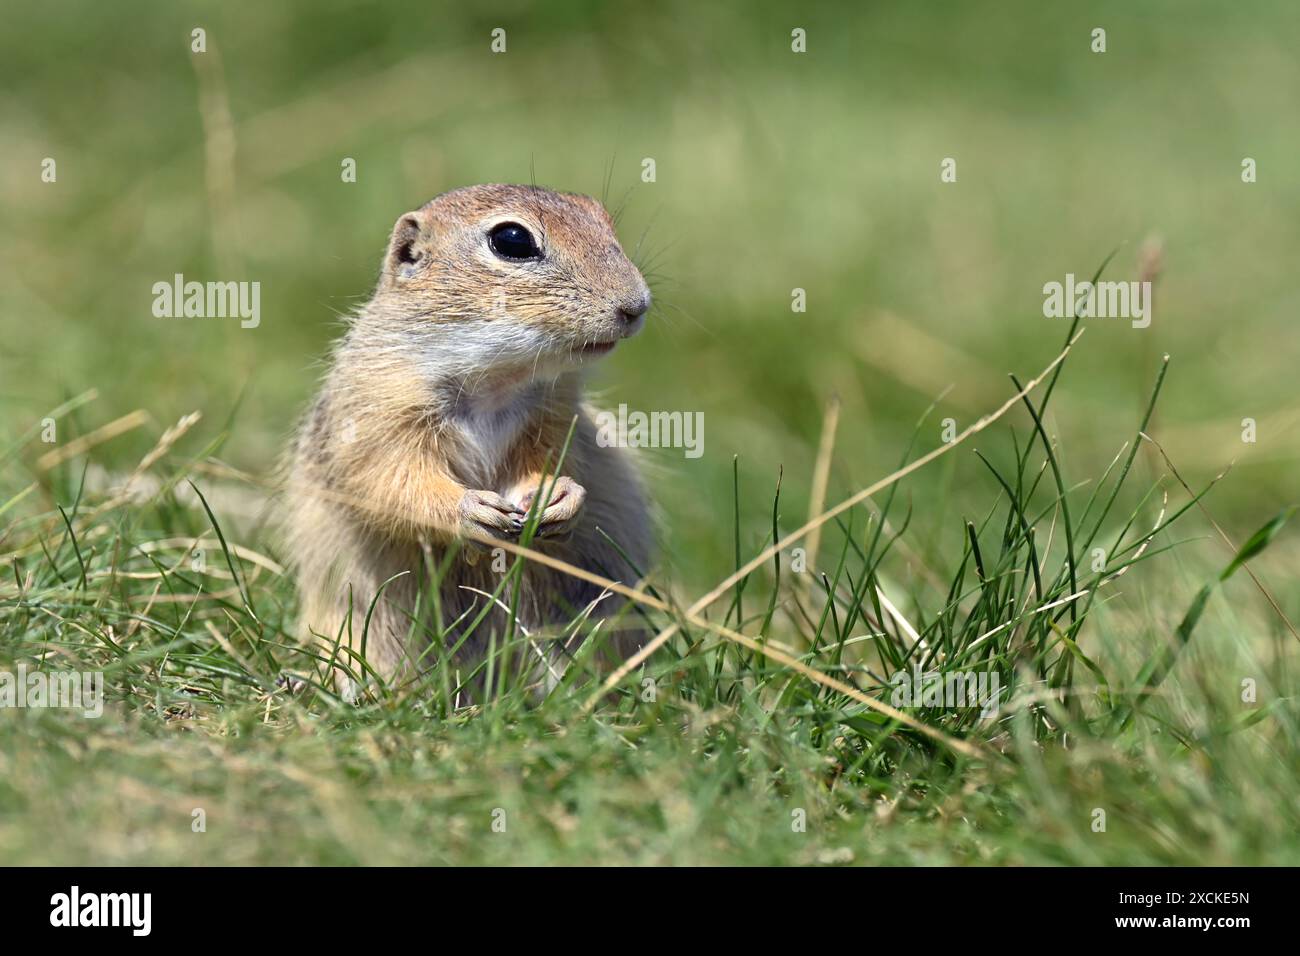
[(407, 248)]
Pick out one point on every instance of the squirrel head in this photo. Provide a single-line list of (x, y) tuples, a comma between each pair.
[(496, 276)]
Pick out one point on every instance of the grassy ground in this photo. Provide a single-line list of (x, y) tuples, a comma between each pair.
[(775, 171)]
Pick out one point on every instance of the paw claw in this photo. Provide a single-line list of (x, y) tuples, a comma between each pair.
[(485, 513), (562, 508)]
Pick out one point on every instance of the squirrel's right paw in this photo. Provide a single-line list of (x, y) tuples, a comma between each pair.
[(487, 513)]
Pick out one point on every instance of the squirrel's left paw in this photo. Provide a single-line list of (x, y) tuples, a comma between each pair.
[(560, 510)]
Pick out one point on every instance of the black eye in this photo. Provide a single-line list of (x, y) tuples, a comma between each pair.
[(512, 241)]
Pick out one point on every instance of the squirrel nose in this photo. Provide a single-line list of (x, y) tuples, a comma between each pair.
[(633, 309)]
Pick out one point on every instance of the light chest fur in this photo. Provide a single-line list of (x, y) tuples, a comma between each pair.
[(486, 426)]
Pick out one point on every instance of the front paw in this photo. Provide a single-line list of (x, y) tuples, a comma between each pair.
[(487, 514), (561, 509)]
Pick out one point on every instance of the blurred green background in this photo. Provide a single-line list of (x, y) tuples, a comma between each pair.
[(774, 171)]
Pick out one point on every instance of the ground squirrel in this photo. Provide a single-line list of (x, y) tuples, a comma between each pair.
[(451, 392)]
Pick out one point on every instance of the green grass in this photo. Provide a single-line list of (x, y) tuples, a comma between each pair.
[(773, 173), (711, 753)]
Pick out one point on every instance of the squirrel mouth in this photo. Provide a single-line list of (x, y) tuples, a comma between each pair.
[(598, 348)]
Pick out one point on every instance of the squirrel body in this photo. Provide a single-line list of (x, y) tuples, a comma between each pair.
[(445, 408)]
